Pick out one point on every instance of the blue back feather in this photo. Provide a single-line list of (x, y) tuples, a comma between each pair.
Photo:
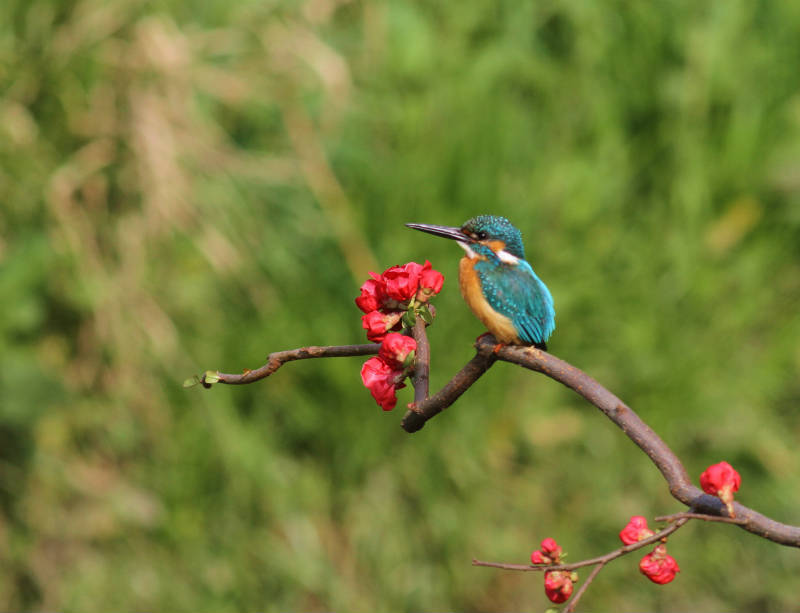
[(516, 292)]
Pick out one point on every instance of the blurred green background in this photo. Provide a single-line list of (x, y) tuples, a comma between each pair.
[(191, 185)]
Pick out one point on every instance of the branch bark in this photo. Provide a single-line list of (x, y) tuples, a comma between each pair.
[(488, 352), (278, 358), (680, 486)]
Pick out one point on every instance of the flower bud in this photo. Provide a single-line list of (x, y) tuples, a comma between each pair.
[(382, 381), (558, 585), (430, 282), (372, 294), (635, 531), (659, 566), (721, 480), (396, 349), (549, 545), (538, 558), (376, 324)]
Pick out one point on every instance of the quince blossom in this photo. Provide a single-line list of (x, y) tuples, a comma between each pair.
[(659, 566), (721, 480)]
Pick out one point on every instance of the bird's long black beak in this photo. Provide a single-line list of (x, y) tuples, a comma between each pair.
[(445, 231)]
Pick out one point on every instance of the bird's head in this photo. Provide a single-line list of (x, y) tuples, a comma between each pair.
[(482, 236)]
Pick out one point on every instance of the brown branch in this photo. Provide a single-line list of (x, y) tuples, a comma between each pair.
[(573, 602), (680, 486), (604, 559), (420, 412), (279, 358), (701, 516), (422, 362), (488, 352)]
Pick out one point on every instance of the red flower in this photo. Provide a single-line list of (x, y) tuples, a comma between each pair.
[(377, 324), (430, 282), (721, 480), (538, 558), (396, 348), (382, 381), (550, 553), (635, 531), (372, 294), (659, 566), (549, 545), (401, 282), (558, 585)]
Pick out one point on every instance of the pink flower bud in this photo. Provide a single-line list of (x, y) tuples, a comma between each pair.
[(659, 566), (551, 548), (382, 381), (396, 348), (558, 585), (635, 531), (721, 480), (538, 558)]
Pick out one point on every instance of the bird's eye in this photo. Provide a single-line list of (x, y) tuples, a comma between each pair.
[(482, 235)]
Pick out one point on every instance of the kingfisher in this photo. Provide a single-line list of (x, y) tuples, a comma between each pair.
[(497, 282)]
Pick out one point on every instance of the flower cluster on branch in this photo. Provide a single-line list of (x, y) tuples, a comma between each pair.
[(392, 302)]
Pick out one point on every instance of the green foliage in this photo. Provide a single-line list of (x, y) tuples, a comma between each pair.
[(194, 185)]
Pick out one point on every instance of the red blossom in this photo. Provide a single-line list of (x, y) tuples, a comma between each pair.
[(377, 324), (396, 348), (721, 480), (558, 585), (372, 294), (538, 558), (635, 531), (550, 553), (549, 545), (659, 566), (430, 282), (401, 282), (382, 381)]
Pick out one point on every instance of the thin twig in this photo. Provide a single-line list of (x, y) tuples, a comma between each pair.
[(573, 602), (703, 517), (279, 358), (604, 559)]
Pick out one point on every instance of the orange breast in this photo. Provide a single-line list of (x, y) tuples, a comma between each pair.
[(499, 325)]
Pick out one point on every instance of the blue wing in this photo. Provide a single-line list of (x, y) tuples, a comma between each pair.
[(516, 292)]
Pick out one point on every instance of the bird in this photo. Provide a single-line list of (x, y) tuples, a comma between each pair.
[(497, 282)]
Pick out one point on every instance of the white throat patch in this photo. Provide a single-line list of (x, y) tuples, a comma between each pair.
[(506, 257), (470, 253)]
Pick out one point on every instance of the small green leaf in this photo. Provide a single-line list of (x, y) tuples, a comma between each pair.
[(211, 376), (426, 315), (191, 381), (409, 361), (409, 319)]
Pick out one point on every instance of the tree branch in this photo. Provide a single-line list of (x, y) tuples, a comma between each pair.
[(604, 559), (680, 486), (279, 358), (420, 412), (422, 362), (488, 352), (573, 602)]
